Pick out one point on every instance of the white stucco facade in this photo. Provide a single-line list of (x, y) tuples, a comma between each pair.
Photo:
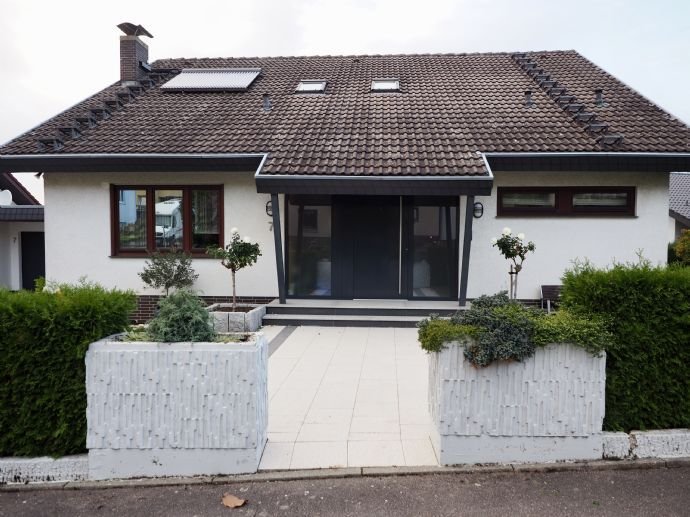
[(78, 242), (560, 240), (11, 252), (78, 237)]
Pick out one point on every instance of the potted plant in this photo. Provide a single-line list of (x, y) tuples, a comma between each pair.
[(238, 254), (175, 398)]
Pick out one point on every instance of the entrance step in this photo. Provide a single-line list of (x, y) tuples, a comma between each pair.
[(325, 320)]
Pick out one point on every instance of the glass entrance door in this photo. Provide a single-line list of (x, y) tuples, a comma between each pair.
[(431, 247)]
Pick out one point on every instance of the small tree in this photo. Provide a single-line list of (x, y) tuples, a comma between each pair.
[(166, 270), (239, 254), (513, 248)]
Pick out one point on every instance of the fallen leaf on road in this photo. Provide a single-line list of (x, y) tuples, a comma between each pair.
[(232, 501)]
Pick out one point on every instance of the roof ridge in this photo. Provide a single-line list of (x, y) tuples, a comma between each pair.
[(346, 56)]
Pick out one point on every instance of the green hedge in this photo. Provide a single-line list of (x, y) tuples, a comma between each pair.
[(43, 339), (648, 367)]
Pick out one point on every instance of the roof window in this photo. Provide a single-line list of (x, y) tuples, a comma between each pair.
[(212, 79), (385, 85), (311, 86)]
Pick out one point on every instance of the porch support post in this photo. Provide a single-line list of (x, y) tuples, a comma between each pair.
[(278, 237), (466, 244)]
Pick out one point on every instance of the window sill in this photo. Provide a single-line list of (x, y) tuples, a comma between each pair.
[(124, 255)]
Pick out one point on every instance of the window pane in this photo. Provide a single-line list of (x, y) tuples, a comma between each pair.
[(132, 218), (385, 84), (169, 224), (529, 200), (435, 264), (205, 229), (601, 199), (311, 86), (309, 244)]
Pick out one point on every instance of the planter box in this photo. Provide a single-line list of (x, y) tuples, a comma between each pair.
[(236, 321), (176, 409), (549, 407)]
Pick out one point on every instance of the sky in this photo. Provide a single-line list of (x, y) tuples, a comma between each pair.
[(54, 54)]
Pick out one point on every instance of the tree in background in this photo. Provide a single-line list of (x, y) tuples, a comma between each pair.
[(167, 270), (515, 249)]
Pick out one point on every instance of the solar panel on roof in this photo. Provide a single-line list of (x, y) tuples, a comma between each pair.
[(212, 79)]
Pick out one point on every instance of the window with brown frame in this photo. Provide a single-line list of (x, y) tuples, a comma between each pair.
[(566, 201), (158, 218)]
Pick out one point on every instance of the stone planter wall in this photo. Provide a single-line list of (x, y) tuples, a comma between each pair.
[(236, 321), (176, 409), (548, 408)]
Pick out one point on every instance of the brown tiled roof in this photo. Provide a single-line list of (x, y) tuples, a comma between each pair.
[(451, 108), (679, 194)]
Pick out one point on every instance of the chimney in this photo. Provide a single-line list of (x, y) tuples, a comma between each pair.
[(134, 54)]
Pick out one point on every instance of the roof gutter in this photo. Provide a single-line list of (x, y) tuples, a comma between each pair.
[(132, 162), (590, 161)]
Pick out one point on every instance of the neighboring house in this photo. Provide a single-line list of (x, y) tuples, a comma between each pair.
[(359, 176), (22, 253), (679, 203)]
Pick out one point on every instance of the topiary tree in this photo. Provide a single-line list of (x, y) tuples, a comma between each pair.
[(182, 317), (237, 255), (513, 248), (170, 269)]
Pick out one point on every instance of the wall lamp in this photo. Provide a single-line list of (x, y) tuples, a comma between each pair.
[(478, 210)]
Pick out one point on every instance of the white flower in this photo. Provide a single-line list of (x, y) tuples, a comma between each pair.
[(494, 240), (247, 239), (234, 230), (506, 231), (521, 236)]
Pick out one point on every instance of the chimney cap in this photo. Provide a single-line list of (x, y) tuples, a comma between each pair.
[(134, 30)]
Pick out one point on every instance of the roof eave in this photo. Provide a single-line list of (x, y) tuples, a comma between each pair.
[(129, 162), (595, 161)]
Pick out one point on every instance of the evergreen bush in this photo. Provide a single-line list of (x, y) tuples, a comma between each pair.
[(43, 341), (182, 317), (648, 368)]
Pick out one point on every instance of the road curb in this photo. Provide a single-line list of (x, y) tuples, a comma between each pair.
[(301, 475)]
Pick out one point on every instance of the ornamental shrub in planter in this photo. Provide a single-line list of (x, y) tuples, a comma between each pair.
[(507, 383), (176, 409)]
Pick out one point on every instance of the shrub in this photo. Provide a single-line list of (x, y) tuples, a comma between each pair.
[(170, 269), (43, 340), (503, 329), (434, 332), (563, 326), (182, 317), (515, 249), (681, 248), (648, 369)]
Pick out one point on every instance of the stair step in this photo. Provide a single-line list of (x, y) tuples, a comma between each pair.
[(421, 312), (330, 320)]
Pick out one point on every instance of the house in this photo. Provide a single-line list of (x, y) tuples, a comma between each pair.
[(22, 254), (372, 176), (679, 203)]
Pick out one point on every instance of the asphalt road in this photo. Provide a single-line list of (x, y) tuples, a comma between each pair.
[(654, 492)]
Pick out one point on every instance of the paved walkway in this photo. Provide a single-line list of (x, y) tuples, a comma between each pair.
[(342, 397)]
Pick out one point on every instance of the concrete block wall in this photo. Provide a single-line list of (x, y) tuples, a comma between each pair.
[(176, 409), (549, 407)]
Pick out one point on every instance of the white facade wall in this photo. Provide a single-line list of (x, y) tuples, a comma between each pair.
[(77, 224), (560, 240), (11, 252)]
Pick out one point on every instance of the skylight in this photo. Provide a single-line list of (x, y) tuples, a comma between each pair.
[(213, 79), (311, 86), (385, 85)]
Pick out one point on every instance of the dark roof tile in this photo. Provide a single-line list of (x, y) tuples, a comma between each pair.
[(451, 107)]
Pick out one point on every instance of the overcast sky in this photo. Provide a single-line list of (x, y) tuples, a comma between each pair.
[(54, 54)]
